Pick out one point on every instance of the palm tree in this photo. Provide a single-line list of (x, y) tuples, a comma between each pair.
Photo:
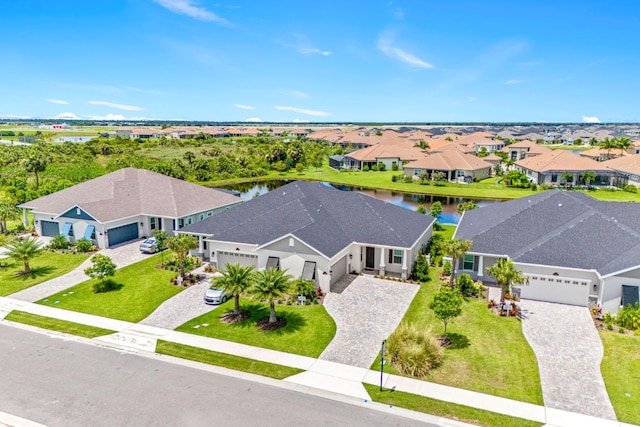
[(7, 212), (35, 163), (236, 280), (23, 250), (587, 177), (608, 144), (455, 248), (180, 245), (506, 274), (567, 176), (269, 285), (624, 144)]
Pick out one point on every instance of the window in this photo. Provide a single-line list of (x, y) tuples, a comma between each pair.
[(467, 263), (152, 223), (395, 256), (180, 222), (209, 214), (201, 216), (189, 220)]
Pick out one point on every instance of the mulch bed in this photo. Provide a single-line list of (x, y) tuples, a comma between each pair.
[(264, 325), (232, 317)]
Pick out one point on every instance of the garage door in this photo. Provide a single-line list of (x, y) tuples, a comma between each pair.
[(236, 258), (563, 290), (123, 233), (338, 269), (50, 228)]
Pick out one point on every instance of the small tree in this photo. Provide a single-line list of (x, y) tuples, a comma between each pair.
[(24, 250), (102, 268), (436, 211), (455, 248), (587, 177), (467, 206), (161, 242), (421, 268), (8, 212), (180, 245), (446, 305), (269, 285), (506, 274), (236, 280)]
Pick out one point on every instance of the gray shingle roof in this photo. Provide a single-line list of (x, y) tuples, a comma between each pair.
[(128, 192), (322, 216), (558, 228)]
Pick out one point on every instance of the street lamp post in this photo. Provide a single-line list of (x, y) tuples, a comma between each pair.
[(384, 348)]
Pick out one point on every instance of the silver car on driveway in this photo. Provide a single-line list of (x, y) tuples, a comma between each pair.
[(215, 295), (149, 245)]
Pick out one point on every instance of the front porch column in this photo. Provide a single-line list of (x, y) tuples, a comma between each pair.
[(405, 256), (25, 218), (200, 245), (383, 253), (480, 266)]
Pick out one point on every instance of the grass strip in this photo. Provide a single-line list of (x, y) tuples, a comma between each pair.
[(226, 360), (620, 369), (57, 324), (449, 410)]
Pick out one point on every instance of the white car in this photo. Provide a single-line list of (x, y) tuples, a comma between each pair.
[(216, 296), (149, 246)]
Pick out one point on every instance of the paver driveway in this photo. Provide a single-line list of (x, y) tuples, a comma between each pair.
[(569, 352), (366, 313), (122, 256)]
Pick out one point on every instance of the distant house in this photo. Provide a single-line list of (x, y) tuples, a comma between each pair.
[(336, 161), (627, 170), (602, 154), (551, 169), (315, 232), (125, 205), (572, 248), (387, 154), (456, 166), (523, 149)]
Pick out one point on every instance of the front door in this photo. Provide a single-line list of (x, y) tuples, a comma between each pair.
[(370, 256)]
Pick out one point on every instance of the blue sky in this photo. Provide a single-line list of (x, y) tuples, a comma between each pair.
[(329, 61)]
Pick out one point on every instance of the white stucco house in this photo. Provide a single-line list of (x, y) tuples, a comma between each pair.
[(124, 205), (573, 248), (316, 232)]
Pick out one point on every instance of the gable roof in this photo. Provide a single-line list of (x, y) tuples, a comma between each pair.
[(531, 147), (558, 228), (627, 164), (559, 160), (128, 192), (449, 160), (321, 216)]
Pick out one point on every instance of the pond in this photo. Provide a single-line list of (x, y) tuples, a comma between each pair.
[(406, 200)]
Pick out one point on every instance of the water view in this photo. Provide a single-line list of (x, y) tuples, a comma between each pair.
[(406, 200)]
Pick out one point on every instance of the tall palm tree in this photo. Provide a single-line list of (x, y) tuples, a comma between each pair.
[(455, 248), (236, 280), (269, 285), (24, 250), (35, 163), (180, 245), (624, 144), (608, 144), (506, 274)]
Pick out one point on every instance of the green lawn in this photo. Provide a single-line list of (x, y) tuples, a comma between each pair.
[(226, 360), (143, 289), (308, 331), (489, 353), (44, 267), (449, 410), (621, 372), (57, 324)]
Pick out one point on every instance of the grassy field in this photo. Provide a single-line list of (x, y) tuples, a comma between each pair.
[(226, 360), (44, 267), (489, 354), (308, 331), (621, 372), (449, 410), (142, 289), (57, 325)]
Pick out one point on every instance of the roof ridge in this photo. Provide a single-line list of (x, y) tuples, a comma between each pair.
[(392, 229)]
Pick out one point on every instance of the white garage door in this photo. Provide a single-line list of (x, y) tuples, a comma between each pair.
[(563, 290), (236, 258)]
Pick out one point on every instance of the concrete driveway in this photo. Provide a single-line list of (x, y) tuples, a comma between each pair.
[(366, 312), (569, 352), (122, 255)]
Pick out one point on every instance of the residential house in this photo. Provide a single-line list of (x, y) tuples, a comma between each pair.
[(522, 149), (455, 165), (390, 153), (573, 248), (316, 232), (125, 205), (563, 167), (627, 170)]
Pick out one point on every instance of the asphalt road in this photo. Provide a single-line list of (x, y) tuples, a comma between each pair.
[(65, 383)]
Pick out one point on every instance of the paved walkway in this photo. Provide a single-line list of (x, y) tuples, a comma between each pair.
[(366, 313), (122, 256), (569, 352)]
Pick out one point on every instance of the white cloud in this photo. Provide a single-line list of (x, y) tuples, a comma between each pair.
[(590, 119), (118, 106), (191, 9), (109, 116), (313, 50), (303, 111), (244, 107), (385, 45), (512, 82), (57, 101), (253, 119), (67, 116), (304, 46), (300, 121), (296, 93)]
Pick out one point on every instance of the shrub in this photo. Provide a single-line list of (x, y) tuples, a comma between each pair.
[(374, 168), (630, 188), (83, 245), (629, 317), (414, 351), (467, 286), (105, 286), (381, 167), (446, 268), (304, 288), (299, 168), (59, 242), (408, 179), (365, 168), (421, 268), (394, 166)]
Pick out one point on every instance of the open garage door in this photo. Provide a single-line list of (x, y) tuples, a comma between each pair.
[(121, 234), (235, 257), (50, 228)]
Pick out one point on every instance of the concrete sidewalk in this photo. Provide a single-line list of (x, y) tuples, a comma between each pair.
[(319, 374)]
